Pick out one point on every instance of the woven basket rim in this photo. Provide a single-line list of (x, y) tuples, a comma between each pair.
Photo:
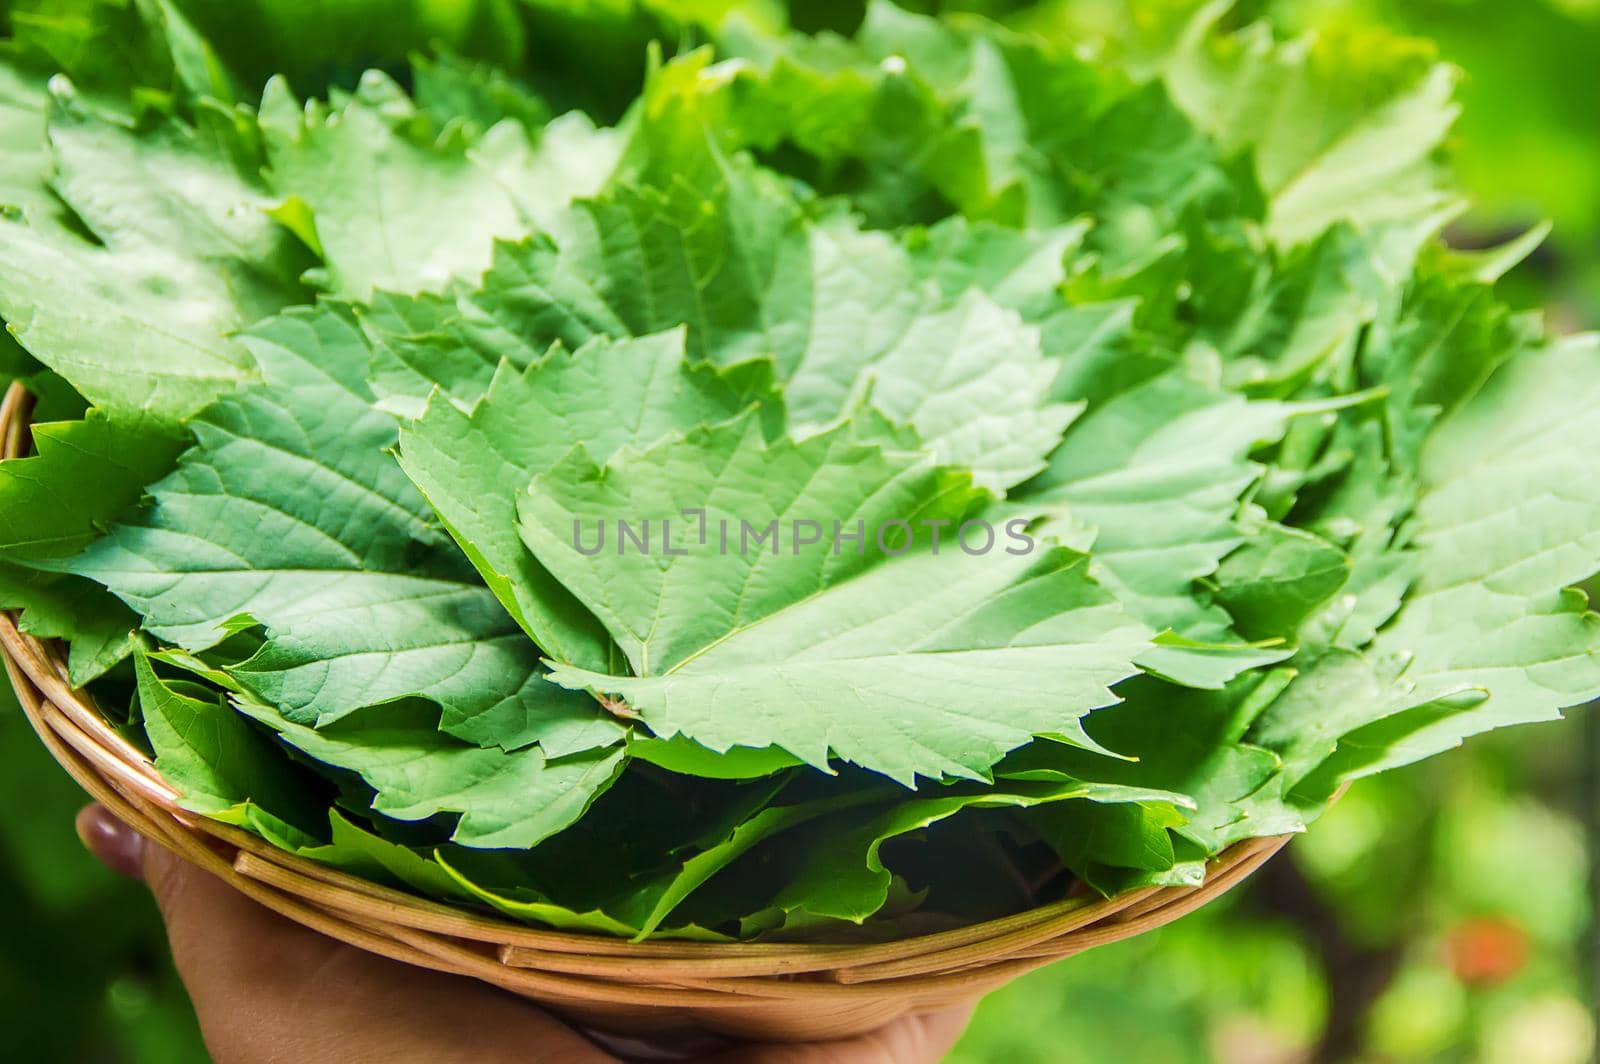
[(567, 967)]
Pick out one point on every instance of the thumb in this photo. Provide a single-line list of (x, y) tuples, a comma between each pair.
[(266, 989)]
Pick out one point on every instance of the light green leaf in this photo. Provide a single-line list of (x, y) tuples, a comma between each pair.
[(917, 663), (1343, 126), (85, 475), (838, 312), (184, 258), (973, 384), (384, 204), (843, 875), (1508, 523), (220, 763), (658, 899), (178, 190), (1191, 743), (1280, 577), (146, 333), (544, 169), (513, 800), (528, 905), (1102, 842), (450, 88), (727, 511), (687, 757), (357, 850), (1158, 471), (97, 628), (291, 514), (1208, 666), (473, 466), (25, 162)]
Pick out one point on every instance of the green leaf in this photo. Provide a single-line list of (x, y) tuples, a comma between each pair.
[(843, 875), (393, 198), (632, 262), (1158, 471), (1018, 268), (660, 898), (356, 850), (97, 628), (126, 343), (86, 474), (119, 49), (188, 191), (686, 757), (385, 205), (1382, 107), (1101, 842), (1192, 743), (1279, 578), (898, 658), (183, 257), (836, 310), (291, 514), (970, 380), (727, 510), (1208, 666), (919, 115), (449, 88), (1364, 508), (530, 906), (544, 169), (473, 466), (504, 799), (1493, 633), (1302, 314), (25, 163), (427, 342), (219, 762)]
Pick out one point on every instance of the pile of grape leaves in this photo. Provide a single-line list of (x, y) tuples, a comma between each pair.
[(654, 470)]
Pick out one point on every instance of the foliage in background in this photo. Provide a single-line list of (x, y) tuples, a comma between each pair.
[(84, 970)]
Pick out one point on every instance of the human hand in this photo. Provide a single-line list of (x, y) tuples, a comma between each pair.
[(267, 990)]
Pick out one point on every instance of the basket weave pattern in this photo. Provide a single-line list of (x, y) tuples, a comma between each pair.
[(770, 992)]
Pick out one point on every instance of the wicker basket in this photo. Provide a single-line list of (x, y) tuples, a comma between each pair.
[(767, 992)]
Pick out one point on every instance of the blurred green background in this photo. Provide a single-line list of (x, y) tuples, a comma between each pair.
[(1438, 914)]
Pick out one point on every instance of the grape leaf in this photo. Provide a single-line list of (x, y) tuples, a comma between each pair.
[(1383, 106), (221, 764), (843, 876), (1192, 743), (85, 475), (97, 628), (394, 200), (504, 799), (896, 658), (472, 467), (1158, 471), (836, 310), (289, 514), (1492, 634)]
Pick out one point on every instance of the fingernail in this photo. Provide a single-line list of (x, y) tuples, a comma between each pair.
[(113, 843)]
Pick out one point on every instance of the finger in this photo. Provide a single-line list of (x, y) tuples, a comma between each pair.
[(111, 841), (268, 990), (923, 1039)]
